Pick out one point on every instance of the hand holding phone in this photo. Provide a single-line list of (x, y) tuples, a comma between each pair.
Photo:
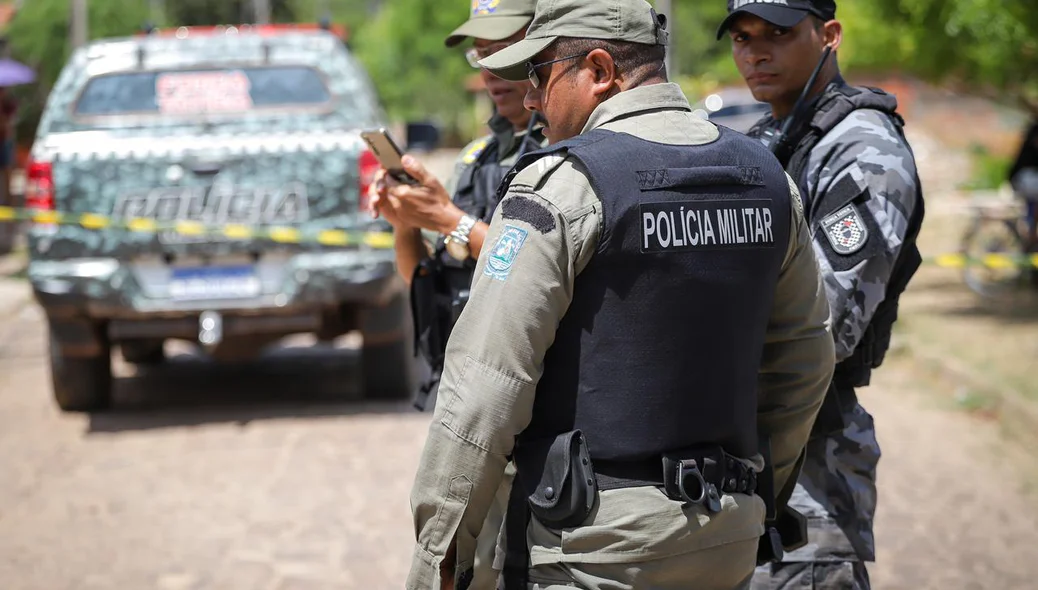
[(388, 154)]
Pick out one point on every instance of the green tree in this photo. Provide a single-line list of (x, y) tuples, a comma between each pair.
[(702, 62), (207, 12), (416, 75), (987, 47), (39, 34), (699, 61)]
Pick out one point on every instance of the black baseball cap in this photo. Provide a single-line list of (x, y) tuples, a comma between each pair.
[(783, 13)]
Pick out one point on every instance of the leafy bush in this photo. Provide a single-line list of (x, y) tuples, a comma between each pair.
[(990, 171)]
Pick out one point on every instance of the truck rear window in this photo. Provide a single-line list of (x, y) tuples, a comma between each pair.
[(190, 92)]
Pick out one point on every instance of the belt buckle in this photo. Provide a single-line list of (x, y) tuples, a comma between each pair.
[(707, 496)]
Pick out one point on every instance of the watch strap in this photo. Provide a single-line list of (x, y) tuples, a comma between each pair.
[(464, 228)]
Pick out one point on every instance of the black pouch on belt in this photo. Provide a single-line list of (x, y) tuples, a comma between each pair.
[(557, 476)]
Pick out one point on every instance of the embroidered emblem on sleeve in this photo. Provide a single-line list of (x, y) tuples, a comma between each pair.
[(504, 252), (846, 230)]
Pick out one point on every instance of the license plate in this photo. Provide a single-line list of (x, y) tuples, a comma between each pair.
[(214, 282)]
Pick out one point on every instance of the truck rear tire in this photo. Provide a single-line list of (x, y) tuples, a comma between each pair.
[(80, 384), (387, 361)]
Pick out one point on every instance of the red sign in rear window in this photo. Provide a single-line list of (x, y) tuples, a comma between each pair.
[(197, 92), (202, 92)]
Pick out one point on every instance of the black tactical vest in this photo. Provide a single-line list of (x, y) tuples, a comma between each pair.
[(837, 102), (661, 345), (440, 285)]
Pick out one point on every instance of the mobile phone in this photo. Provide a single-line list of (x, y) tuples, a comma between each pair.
[(388, 154)]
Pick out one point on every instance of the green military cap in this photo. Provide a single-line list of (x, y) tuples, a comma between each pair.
[(612, 20), (494, 20)]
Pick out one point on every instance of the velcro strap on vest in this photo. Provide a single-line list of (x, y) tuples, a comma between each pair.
[(843, 100), (729, 474)]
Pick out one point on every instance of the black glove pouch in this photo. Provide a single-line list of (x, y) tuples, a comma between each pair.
[(565, 492)]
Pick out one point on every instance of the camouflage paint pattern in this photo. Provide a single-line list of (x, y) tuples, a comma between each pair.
[(288, 166), (837, 486)]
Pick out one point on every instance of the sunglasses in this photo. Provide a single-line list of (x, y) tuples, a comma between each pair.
[(474, 54), (531, 68)]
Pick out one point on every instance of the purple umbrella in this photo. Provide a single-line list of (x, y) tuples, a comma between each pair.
[(13, 73)]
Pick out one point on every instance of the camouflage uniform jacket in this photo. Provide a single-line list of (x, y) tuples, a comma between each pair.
[(857, 236)]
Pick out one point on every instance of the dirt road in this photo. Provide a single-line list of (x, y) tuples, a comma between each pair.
[(252, 478), (256, 478)]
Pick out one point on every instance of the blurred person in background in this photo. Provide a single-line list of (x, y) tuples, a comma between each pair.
[(845, 148), (1023, 177), (8, 151), (457, 214)]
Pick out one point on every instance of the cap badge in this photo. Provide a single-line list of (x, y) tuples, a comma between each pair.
[(482, 7)]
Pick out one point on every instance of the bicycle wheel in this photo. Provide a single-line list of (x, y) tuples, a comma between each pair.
[(992, 247)]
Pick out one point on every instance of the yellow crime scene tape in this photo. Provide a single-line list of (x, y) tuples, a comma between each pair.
[(995, 261), (378, 240), (280, 234)]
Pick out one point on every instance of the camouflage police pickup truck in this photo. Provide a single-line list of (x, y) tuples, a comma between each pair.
[(227, 128)]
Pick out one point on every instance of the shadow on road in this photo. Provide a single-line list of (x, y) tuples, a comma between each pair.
[(1014, 313), (1015, 307), (189, 390), (946, 294)]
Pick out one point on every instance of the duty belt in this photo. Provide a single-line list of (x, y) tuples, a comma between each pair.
[(695, 476)]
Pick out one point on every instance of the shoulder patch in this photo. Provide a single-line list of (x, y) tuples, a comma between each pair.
[(533, 175), (846, 230), (473, 150), (502, 256)]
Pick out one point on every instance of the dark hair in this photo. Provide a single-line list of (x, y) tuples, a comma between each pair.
[(630, 58)]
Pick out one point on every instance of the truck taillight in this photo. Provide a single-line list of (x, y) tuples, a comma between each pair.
[(368, 166), (39, 186)]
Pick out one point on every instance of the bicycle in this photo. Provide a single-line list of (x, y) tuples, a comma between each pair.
[(998, 248)]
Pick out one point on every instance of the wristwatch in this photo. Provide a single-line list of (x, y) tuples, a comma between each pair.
[(457, 242)]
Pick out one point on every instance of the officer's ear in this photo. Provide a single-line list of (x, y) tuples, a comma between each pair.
[(602, 68), (832, 34)]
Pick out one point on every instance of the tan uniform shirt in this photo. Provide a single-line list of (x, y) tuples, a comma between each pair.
[(495, 358)]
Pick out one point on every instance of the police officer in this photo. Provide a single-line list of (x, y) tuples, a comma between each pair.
[(648, 300), (845, 148), (457, 215), (1023, 177)]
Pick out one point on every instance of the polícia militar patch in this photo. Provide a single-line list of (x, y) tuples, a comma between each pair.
[(684, 226), (846, 230), (502, 255)]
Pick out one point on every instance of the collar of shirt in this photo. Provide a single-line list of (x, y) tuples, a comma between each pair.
[(654, 97), (504, 133), (812, 102), (508, 138)]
